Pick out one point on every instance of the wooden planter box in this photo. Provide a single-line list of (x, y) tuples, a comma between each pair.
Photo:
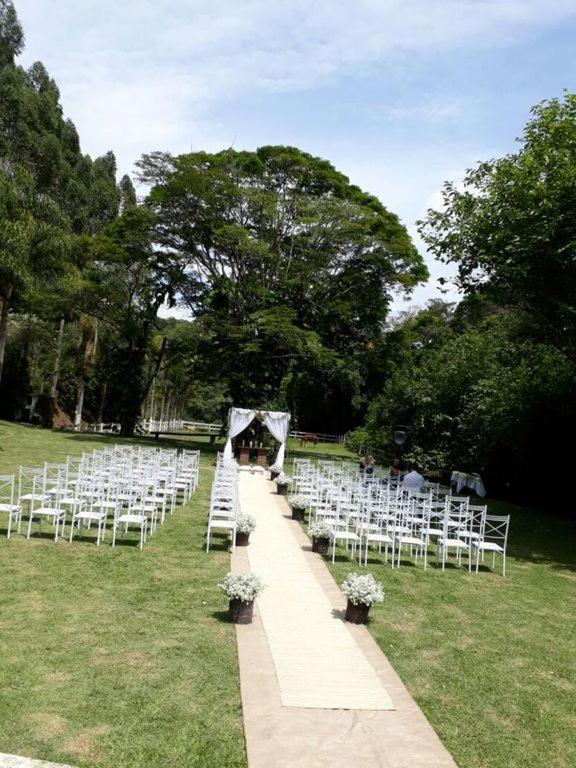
[(357, 614), (240, 612), (281, 490), (298, 514), (242, 539), (273, 474)]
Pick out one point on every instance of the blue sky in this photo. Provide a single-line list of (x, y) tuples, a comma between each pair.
[(398, 94)]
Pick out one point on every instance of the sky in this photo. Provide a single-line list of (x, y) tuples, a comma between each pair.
[(400, 95)]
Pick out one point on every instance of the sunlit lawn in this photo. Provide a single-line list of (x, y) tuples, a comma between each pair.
[(121, 658), (115, 658), (490, 660)]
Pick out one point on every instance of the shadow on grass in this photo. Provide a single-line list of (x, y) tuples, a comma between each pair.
[(222, 616)]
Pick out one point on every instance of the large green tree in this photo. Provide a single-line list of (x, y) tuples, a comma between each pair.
[(511, 227), (49, 191), (290, 268)]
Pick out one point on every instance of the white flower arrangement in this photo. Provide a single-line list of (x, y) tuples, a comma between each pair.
[(298, 502), (283, 479), (245, 523), (318, 530), (362, 589), (242, 586), (275, 468)]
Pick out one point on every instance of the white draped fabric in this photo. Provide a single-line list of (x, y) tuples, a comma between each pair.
[(238, 420), (276, 422)]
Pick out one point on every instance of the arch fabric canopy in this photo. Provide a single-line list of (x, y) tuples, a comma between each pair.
[(276, 422)]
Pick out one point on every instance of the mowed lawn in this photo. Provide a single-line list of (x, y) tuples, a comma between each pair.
[(491, 661), (116, 657), (122, 658)]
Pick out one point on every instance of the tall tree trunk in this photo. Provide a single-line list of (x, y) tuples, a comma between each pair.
[(103, 389), (79, 403), (86, 360), (4, 307), (152, 411), (57, 358), (53, 396)]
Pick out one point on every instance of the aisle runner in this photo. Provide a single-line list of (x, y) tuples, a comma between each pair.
[(317, 661)]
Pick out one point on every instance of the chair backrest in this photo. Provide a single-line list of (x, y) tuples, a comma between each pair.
[(477, 515), (30, 479), (496, 529), (6, 489)]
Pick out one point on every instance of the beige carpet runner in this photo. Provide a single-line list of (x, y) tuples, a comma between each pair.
[(317, 660)]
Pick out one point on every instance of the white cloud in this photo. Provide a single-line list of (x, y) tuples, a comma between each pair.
[(139, 75), (133, 73)]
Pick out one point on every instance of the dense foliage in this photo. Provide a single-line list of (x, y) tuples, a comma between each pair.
[(287, 271), (489, 385)]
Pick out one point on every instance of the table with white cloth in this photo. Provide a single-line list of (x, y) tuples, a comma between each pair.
[(472, 481)]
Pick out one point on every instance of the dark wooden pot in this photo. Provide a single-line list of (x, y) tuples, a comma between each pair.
[(273, 474), (320, 544), (298, 514), (240, 612), (281, 490), (242, 539), (357, 614)]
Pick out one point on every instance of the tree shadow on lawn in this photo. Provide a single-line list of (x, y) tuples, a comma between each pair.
[(540, 538), (186, 441)]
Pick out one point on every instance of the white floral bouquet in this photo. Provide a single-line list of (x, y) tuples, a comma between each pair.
[(242, 586), (245, 523), (283, 479), (362, 589), (275, 468), (298, 502), (320, 530)]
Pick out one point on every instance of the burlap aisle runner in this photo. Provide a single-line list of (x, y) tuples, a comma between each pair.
[(317, 661)]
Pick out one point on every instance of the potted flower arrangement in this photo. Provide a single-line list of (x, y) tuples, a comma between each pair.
[(320, 533), (275, 470), (241, 590), (299, 505), (245, 524), (362, 590), (282, 483)]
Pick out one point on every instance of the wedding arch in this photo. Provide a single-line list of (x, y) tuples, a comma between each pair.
[(276, 422)]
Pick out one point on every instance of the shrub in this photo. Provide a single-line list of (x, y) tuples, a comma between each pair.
[(245, 523), (242, 586), (319, 531), (362, 589), (298, 502)]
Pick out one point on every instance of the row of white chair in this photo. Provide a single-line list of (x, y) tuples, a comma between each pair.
[(364, 514), (224, 507), (136, 485)]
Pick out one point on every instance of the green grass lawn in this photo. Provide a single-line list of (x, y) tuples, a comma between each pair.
[(116, 657), (490, 660), (121, 658)]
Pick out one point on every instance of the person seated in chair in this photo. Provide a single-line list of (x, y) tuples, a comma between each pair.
[(413, 480), (367, 464), (395, 468)]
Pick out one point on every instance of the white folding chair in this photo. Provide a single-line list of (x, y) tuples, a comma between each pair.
[(7, 505), (493, 538)]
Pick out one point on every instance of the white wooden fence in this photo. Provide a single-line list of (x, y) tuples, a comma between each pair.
[(150, 426)]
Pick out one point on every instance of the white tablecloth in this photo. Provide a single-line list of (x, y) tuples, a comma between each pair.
[(474, 482)]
